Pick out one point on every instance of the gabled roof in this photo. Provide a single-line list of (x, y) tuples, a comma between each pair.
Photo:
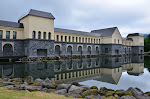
[(105, 32), (11, 24), (38, 13), (76, 32), (135, 34), (125, 38)]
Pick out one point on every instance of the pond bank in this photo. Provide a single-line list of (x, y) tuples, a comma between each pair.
[(56, 58), (76, 90)]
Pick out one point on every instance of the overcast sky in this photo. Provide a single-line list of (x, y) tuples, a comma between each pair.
[(129, 16)]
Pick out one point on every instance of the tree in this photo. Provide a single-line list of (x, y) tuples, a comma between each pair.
[(147, 43)]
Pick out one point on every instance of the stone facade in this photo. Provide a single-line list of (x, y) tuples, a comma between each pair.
[(30, 48)]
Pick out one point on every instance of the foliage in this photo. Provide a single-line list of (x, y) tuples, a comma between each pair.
[(147, 43), (146, 62)]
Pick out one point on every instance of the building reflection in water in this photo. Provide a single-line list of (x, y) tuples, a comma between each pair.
[(101, 69)]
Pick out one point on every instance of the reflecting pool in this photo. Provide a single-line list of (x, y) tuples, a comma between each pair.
[(112, 72)]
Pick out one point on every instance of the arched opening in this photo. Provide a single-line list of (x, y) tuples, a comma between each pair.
[(33, 34), (39, 35), (79, 48), (7, 50), (44, 35), (69, 48), (57, 48), (49, 35), (89, 49), (7, 70), (97, 49)]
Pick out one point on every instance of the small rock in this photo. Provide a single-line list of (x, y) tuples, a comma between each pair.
[(94, 87), (61, 92), (138, 93), (75, 83), (6, 79), (71, 95), (38, 80), (47, 83), (90, 92), (48, 90), (148, 93), (128, 97), (8, 83), (111, 97), (109, 93), (75, 90), (33, 88), (95, 97), (21, 86), (63, 86), (9, 86), (85, 87), (29, 79)]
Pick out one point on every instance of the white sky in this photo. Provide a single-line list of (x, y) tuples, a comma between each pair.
[(130, 16)]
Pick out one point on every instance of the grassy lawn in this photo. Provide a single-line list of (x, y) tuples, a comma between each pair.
[(13, 94)]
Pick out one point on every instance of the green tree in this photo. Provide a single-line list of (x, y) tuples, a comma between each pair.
[(147, 43)]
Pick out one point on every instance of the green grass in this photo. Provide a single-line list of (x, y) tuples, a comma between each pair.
[(14, 94)]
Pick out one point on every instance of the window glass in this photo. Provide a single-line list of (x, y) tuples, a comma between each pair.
[(49, 36), (33, 34), (7, 34), (1, 34), (44, 35), (39, 35), (14, 35)]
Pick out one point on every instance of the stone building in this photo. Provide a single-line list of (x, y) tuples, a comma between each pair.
[(34, 35)]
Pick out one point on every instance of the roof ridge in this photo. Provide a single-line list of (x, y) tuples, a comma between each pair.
[(9, 21), (104, 28), (72, 30)]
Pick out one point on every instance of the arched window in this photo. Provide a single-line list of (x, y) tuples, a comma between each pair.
[(118, 41), (49, 35), (91, 40), (82, 40), (89, 49), (57, 37), (69, 48), (39, 35), (65, 38), (97, 49), (7, 34), (85, 40), (115, 41), (76, 39), (1, 34), (44, 35), (61, 38), (72, 39), (57, 48), (94, 40), (79, 48), (8, 69), (7, 50), (88, 40), (33, 34), (99, 41), (69, 39)]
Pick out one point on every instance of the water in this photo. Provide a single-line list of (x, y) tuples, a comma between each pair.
[(114, 73)]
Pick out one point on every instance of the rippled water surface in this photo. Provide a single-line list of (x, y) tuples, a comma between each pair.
[(114, 73)]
